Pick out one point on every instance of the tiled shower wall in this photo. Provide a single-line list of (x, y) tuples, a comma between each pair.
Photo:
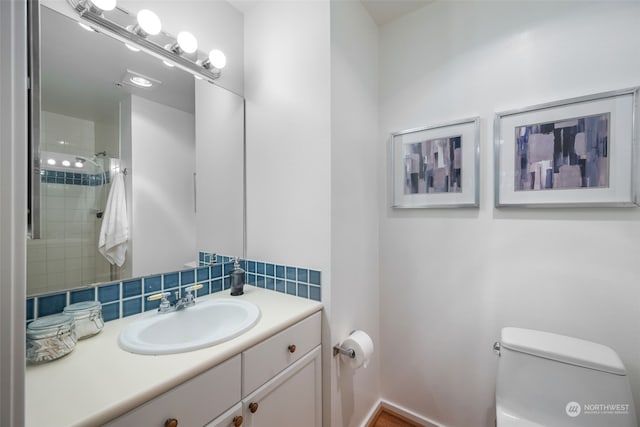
[(129, 297), (66, 254)]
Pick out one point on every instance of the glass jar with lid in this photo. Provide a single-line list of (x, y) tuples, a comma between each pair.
[(50, 338), (88, 317)]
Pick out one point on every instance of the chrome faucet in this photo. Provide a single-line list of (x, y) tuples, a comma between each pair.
[(187, 300)]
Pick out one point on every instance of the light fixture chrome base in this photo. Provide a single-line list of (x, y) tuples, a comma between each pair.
[(115, 23)]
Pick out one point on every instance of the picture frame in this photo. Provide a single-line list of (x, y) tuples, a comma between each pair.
[(436, 166), (578, 152)]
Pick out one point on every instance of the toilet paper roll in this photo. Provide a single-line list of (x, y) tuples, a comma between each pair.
[(361, 343)]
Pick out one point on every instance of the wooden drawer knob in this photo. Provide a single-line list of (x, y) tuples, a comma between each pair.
[(237, 421), (171, 422), (253, 407), (292, 348)]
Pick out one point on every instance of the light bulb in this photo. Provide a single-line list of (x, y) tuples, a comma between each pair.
[(149, 22), (66, 163), (217, 59), (187, 42), (104, 5)]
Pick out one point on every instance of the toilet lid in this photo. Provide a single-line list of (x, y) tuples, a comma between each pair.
[(564, 349)]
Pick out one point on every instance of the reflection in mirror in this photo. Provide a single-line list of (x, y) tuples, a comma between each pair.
[(96, 123)]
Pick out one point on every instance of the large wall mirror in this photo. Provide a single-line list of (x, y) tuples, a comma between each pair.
[(181, 142)]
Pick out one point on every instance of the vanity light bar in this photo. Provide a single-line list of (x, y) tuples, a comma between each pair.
[(117, 25)]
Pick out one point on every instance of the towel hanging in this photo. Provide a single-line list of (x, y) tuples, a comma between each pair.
[(114, 232)]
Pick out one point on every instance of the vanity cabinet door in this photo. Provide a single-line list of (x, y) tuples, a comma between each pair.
[(193, 403), (292, 398), (263, 361)]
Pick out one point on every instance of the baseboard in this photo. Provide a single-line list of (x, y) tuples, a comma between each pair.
[(373, 414), (399, 411)]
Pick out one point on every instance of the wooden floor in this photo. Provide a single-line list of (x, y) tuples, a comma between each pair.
[(387, 419)]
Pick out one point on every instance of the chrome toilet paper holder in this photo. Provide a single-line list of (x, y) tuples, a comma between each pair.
[(338, 349)]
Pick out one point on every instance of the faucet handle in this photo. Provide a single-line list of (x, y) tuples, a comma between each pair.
[(159, 295), (164, 304), (193, 288), (190, 297)]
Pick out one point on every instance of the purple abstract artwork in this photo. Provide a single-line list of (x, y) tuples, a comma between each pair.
[(433, 166), (566, 154)]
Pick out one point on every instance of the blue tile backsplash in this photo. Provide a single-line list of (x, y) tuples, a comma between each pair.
[(209, 258), (129, 297), (111, 311), (152, 284), (131, 288), (109, 293), (51, 304), (82, 295), (186, 277), (131, 307)]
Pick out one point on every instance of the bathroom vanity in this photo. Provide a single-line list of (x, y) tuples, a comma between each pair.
[(269, 375)]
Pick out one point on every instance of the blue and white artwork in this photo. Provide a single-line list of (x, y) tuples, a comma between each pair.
[(433, 166), (566, 154)]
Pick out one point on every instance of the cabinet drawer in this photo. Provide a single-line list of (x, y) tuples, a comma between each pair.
[(263, 361), (193, 403), (231, 418)]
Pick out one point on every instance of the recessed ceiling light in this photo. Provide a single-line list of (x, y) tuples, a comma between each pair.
[(62, 142), (79, 164), (66, 163), (51, 162), (140, 81)]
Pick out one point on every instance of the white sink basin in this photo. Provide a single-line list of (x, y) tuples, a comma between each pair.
[(201, 325)]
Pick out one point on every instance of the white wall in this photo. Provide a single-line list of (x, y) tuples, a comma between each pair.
[(163, 231), (78, 135), (311, 93), (451, 279), (13, 202), (288, 140), (126, 153), (288, 101), (219, 133), (354, 202), (107, 137)]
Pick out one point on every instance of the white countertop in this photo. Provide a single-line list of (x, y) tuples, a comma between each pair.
[(98, 381)]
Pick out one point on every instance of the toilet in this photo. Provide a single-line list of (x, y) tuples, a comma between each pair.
[(550, 380)]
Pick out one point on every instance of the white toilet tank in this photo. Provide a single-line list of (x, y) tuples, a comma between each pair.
[(552, 380)]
